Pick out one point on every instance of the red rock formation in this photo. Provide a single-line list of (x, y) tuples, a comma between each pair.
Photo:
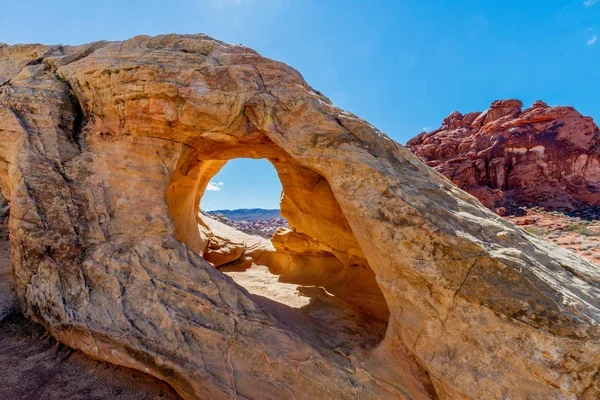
[(549, 156)]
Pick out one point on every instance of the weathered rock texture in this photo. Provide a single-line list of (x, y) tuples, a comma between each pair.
[(105, 152), (34, 366), (8, 300), (547, 156)]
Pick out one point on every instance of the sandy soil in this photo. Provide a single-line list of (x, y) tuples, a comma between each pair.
[(259, 281), (322, 319), (34, 366), (577, 231)]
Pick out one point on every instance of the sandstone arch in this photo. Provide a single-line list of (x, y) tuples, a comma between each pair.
[(329, 254), (99, 140)]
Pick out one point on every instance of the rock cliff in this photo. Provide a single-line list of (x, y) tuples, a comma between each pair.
[(105, 151), (546, 156)]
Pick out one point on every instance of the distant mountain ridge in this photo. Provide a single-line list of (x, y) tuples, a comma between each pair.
[(248, 214)]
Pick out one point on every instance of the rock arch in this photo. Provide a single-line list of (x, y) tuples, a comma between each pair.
[(101, 141), (321, 234)]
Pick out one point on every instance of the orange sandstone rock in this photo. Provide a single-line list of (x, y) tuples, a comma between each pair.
[(106, 150)]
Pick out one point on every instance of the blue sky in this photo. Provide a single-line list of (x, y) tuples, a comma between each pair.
[(402, 65), (243, 183)]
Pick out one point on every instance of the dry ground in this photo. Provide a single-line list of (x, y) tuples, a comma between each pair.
[(577, 231)]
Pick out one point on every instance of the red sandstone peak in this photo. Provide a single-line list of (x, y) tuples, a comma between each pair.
[(539, 104), (543, 155)]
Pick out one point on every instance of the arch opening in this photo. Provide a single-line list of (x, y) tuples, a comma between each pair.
[(312, 276), (245, 194)]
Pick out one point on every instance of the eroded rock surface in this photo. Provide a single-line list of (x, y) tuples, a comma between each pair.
[(106, 150), (545, 156), (35, 366), (8, 299)]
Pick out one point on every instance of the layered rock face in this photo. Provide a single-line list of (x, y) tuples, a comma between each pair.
[(106, 150), (548, 156)]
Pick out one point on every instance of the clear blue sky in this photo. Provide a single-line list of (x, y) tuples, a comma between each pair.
[(402, 65)]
